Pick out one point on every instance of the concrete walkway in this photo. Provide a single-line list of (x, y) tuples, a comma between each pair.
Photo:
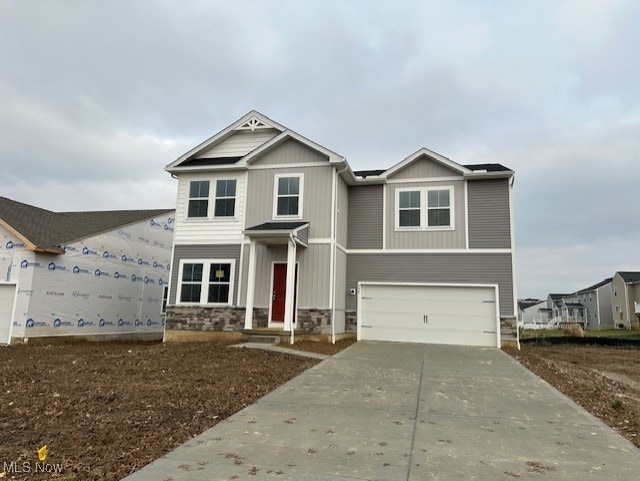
[(385, 411)]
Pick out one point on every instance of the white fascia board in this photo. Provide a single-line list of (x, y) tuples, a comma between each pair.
[(223, 134), (429, 153)]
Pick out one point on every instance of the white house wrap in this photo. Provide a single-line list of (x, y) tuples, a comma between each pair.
[(109, 283)]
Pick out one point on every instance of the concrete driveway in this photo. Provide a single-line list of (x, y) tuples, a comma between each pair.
[(387, 411)]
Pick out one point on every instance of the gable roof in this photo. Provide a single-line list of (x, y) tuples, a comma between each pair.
[(45, 231), (629, 276), (190, 161), (596, 286), (440, 159)]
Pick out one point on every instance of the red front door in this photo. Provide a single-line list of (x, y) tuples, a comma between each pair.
[(280, 291)]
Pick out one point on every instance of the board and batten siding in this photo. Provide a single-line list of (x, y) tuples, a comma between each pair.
[(427, 239), (433, 268), (489, 217), (424, 168), (316, 197), (364, 229), (290, 152), (240, 143), (313, 273), (203, 252), (211, 229)]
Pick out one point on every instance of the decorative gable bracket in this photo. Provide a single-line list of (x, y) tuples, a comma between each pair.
[(252, 124)]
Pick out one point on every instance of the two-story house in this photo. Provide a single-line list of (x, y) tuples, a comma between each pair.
[(275, 231), (625, 299)]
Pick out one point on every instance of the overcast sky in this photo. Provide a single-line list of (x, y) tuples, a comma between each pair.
[(97, 97)]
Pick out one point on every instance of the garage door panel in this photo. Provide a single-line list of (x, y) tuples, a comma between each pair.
[(432, 314)]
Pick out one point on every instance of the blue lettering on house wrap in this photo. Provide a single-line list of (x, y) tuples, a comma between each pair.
[(108, 255), (87, 251), (14, 245), (78, 270), (56, 267), (101, 273), (126, 258)]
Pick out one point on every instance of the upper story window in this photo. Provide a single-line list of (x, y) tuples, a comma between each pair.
[(424, 208), (288, 196), (198, 198), (409, 208), (439, 208), (206, 281), (225, 198)]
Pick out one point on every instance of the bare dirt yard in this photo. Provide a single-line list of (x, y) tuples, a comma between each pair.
[(106, 409), (603, 380)]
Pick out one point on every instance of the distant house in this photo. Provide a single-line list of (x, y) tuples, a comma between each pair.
[(88, 274), (565, 308), (596, 300), (532, 311), (625, 299)]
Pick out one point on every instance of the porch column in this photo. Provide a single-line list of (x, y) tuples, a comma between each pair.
[(291, 280), (251, 285)]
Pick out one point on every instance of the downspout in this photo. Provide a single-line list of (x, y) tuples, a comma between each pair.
[(513, 258), (334, 252)]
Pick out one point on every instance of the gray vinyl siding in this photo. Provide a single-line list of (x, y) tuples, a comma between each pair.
[(316, 206), (427, 239), (605, 309), (364, 229), (433, 268), (203, 252), (489, 217), (343, 212), (424, 168), (290, 152), (313, 273), (341, 270), (303, 235)]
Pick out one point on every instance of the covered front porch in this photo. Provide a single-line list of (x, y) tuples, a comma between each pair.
[(282, 313)]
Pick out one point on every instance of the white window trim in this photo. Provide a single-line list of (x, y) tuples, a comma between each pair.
[(215, 198), (189, 199), (452, 223), (204, 291), (424, 207), (421, 207), (276, 179)]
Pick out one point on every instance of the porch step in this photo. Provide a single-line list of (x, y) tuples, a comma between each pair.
[(262, 339)]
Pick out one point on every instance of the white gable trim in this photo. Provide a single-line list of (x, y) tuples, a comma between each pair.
[(431, 154), (253, 118)]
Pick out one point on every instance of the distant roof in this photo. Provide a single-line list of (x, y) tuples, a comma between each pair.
[(48, 231), (573, 304), (559, 296), (488, 167), (630, 276), (596, 286), (525, 303)]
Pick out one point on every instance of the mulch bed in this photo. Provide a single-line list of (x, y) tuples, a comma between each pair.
[(603, 380), (107, 409)]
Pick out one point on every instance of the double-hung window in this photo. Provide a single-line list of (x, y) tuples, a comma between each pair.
[(409, 208), (438, 208), (206, 281), (198, 198), (288, 196), (225, 198), (424, 208)]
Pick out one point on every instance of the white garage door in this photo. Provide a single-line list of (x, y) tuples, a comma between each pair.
[(463, 315), (7, 296)]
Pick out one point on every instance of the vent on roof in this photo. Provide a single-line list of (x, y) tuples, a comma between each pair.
[(252, 124)]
